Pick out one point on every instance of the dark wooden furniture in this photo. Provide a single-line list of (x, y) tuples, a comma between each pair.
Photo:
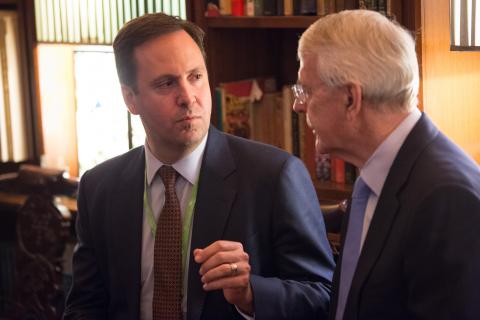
[(35, 207)]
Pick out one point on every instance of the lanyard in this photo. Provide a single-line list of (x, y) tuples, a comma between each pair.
[(187, 220)]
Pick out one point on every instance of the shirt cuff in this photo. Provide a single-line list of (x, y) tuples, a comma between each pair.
[(246, 316)]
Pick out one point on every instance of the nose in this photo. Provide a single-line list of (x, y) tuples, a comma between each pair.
[(298, 107), (186, 95)]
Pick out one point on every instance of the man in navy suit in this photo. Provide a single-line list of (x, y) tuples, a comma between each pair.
[(250, 214), (410, 244)]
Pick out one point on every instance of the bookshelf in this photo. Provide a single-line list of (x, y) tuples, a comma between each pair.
[(266, 22), (265, 46)]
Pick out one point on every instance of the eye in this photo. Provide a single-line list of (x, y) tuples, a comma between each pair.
[(196, 76), (166, 84)]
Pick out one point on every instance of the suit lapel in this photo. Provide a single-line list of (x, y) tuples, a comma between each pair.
[(212, 209), (125, 218), (387, 207)]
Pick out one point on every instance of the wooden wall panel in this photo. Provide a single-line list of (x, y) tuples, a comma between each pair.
[(451, 80)]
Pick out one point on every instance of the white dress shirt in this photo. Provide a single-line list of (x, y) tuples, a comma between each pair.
[(189, 170), (375, 171)]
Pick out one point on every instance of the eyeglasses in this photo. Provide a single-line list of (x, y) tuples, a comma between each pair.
[(300, 93)]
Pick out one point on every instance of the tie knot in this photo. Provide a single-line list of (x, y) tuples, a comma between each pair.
[(360, 189), (168, 175)]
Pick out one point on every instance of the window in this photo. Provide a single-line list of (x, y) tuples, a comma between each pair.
[(13, 139)]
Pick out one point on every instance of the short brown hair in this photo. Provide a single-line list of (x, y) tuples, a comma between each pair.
[(138, 31)]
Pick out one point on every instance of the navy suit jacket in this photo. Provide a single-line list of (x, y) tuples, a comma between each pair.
[(421, 256), (248, 192)]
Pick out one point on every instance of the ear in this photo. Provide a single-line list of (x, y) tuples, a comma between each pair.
[(129, 97), (353, 100)]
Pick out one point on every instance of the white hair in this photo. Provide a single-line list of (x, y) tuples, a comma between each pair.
[(364, 47)]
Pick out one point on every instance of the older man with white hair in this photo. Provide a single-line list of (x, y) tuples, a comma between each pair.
[(411, 246)]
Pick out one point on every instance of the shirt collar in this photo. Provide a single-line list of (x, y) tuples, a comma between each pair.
[(188, 167), (375, 171)]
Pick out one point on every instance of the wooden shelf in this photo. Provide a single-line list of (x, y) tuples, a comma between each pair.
[(331, 191), (264, 22)]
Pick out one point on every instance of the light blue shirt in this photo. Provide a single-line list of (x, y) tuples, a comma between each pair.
[(375, 171), (189, 170)]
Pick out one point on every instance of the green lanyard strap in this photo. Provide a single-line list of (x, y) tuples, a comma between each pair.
[(187, 220)]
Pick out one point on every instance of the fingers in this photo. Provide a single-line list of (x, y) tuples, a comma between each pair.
[(224, 265), (201, 255), (223, 257), (227, 276)]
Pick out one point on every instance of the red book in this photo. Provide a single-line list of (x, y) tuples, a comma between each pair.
[(238, 8), (338, 170)]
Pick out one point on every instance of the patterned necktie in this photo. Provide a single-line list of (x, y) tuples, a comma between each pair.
[(351, 250), (167, 258)]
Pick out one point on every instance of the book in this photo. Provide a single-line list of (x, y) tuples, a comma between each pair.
[(258, 7), (325, 7), (288, 7), (280, 8), (382, 7), (371, 5), (250, 8), (308, 7), (337, 167), (236, 105), (321, 8), (238, 7), (287, 115), (225, 7), (269, 8), (268, 120), (322, 167)]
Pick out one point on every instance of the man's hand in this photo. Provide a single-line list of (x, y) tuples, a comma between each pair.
[(224, 265)]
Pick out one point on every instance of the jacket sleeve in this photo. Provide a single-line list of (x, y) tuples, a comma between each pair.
[(87, 298), (302, 254)]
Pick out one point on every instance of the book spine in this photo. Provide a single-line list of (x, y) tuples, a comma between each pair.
[(258, 7), (382, 7), (308, 7), (339, 5), (371, 5), (269, 8), (225, 7), (287, 103), (338, 170), (332, 7), (296, 7), (389, 9), (250, 8), (238, 7), (280, 8), (323, 167), (288, 7), (321, 9)]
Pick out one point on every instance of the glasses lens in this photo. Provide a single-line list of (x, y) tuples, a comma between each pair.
[(299, 93)]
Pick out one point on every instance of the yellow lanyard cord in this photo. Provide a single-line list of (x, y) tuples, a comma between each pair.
[(187, 221)]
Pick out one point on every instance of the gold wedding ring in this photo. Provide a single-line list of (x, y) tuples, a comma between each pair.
[(233, 268)]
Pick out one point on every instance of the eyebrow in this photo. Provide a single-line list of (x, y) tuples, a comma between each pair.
[(165, 77)]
